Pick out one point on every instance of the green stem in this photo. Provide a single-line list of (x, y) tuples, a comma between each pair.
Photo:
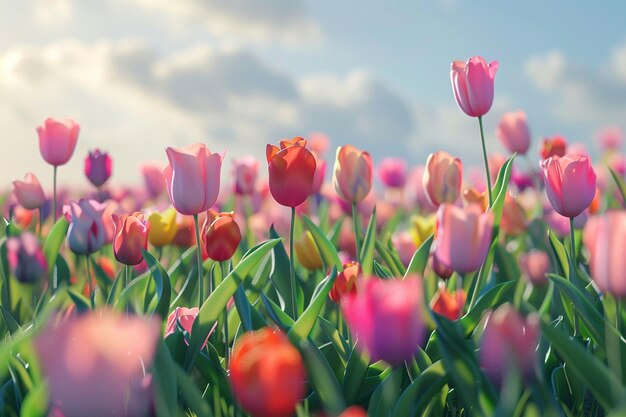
[(89, 283), (126, 275), (40, 222), (54, 195), (459, 288), (224, 267), (199, 257), (482, 138), (291, 264), (618, 315), (357, 231), (572, 248)]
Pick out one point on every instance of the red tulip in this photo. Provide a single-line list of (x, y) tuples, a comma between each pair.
[(220, 235), (193, 178), (513, 132), (98, 167), (57, 140), (352, 175), (570, 183), (29, 193), (472, 83), (291, 171), (131, 236), (449, 305), (267, 374), (554, 146)]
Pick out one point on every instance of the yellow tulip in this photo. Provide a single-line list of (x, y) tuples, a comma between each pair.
[(163, 227), (307, 252), (421, 228)]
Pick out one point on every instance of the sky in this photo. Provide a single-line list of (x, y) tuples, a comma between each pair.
[(141, 75)]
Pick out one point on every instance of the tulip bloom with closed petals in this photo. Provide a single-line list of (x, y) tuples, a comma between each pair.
[(307, 253), (472, 83), (220, 236), (473, 196), (57, 140), (87, 232), (94, 364), (513, 132), (291, 171), (605, 238), (98, 167), (345, 283), (29, 193), (131, 236), (442, 178), (352, 175), (392, 172), (245, 172), (535, 265), (267, 374), (192, 178), (570, 183), (163, 227), (386, 318), (184, 317), (25, 258), (153, 177), (554, 146), (449, 305), (463, 236), (509, 339)]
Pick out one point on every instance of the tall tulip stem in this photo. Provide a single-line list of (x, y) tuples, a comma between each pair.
[(224, 268), (89, 283), (54, 194), (357, 231), (482, 138), (40, 221), (292, 271), (199, 257), (618, 314), (572, 245)]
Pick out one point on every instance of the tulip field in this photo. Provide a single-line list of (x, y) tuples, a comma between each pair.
[(320, 282)]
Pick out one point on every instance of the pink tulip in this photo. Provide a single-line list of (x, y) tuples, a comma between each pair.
[(57, 140), (29, 193), (319, 143), (87, 232), (509, 340), (352, 175), (405, 246), (245, 172), (442, 178), (392, 172), (513, 132), (570, 183), (320, 173), (94, 364), (98, 167), (131, 236), (463, 236), (610, 138), (184, 317), (386, 317), (535, 265), (605, 238), (472, 83), (193, 178), (153, 178)]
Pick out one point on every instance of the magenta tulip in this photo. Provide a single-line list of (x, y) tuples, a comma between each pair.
[(193, 178), (605, 238), (472, 83), (98, 167), (245, 172), (570, 183), (513, 132), (385, 317), (463, 236), (392, 172), (57, 140), (29, 193)]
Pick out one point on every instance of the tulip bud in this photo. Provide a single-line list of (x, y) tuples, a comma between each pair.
[(245, 171), (163, 227), (554, 146), (345, 283), (535, 265), (291, 171), (352, 175), (570, 183), (605, 238), (421, 228), (29, 193), (307, 253), (442, 178), (57, 140), (193, 178), (98, 167), (26, 260), (386, 318), (509, 340), (86, 233), (267, 374), (442, 271), (392, 172), (131, 236), (472, 84), (463, 236), (513, 132), (449, 305), (220, 235), (184, 318)]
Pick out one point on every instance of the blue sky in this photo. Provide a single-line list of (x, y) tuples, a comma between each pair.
[(140, 75)]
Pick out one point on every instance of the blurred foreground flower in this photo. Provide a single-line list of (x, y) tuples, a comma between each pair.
[(26, 260), (95, 362), (267, 374), (29, 193)]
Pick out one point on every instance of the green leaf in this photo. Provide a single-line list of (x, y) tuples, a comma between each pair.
[(354, 375), (9, 320), (416, 397), (326, 248), (621, 185), (332, 333), (367, 250), (495, 296), (602, 383), (162, 282), (303, 326), (165, 383), (54, 241), (82, 303), (36, 402), (103, 280), (386, 395), (214, 305), (281, 273), (499, 189), (282, 319), (192, 396), (420, 258), (559, 253)]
